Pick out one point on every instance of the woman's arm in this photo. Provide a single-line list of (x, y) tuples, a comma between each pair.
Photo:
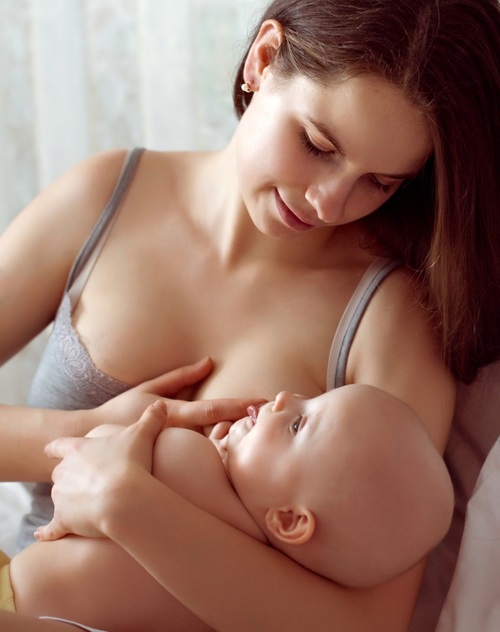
[(232, 582), (36, 254), (39, 247), (30, 429)]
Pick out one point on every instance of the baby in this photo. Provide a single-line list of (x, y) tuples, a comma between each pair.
[(347, 484)]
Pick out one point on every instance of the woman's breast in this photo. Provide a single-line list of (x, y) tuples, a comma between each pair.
[(263, 336)]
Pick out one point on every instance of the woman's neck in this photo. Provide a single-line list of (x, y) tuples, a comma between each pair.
[(220, 213)]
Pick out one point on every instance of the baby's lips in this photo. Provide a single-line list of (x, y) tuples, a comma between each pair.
[(252, 411)]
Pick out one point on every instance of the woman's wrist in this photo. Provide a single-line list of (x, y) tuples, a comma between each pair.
[(127, 499), (85, 421)]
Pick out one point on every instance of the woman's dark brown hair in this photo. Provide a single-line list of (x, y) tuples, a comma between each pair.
[(445, 224)]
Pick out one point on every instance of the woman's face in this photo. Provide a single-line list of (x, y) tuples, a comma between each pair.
[(311, 155)]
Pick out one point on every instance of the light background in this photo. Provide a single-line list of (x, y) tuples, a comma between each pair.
[(82, 76)]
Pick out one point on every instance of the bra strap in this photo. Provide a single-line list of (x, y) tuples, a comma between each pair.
[(342, 341), (91, 250)]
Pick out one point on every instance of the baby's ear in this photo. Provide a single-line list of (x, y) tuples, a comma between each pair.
[(291, 525)]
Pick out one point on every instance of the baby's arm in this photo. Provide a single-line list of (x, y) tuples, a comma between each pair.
[(190, 465)]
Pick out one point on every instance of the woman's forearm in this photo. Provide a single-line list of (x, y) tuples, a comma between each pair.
[(25, 432), (231, 581)]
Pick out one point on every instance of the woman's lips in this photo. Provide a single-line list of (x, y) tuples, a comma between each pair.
[(289, 217)]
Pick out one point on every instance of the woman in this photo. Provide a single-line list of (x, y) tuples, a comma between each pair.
[(367, 128)]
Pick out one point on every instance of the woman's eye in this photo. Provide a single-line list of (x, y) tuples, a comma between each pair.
[(296, 424), (383, 188), (312, 148)]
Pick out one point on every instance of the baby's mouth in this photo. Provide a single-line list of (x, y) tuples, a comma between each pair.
[(253, 413)]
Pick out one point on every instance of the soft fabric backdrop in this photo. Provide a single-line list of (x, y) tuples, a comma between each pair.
[(81, 76)]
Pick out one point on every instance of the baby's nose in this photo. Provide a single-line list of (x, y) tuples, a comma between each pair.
[(281, 401)]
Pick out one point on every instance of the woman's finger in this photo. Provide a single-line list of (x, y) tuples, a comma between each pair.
[(201, 413), (169, 384), (59, 448), (91, 469), (49, 532), (151, 422)]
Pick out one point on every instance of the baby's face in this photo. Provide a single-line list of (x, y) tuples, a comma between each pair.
[(285, 446)]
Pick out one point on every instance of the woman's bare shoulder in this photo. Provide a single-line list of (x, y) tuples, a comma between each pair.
[(77, 197), (72, 204), (398, 349)]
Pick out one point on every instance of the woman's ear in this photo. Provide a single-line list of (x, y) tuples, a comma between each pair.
[(262, 52), (290, 525)]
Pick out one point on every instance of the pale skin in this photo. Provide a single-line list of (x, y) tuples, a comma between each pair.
[(292, 462), (274, 283)]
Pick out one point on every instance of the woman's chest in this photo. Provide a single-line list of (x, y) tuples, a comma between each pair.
[(266, 332)]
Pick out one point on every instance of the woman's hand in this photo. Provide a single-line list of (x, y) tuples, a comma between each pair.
[(127, 407), (93, 470)]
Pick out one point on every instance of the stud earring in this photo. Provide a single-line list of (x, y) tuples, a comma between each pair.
[(246, 87)]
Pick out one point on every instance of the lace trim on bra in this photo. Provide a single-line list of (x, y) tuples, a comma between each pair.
[(76, 361)]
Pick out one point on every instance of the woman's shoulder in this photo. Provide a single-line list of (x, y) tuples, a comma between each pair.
[(97, 175), (78, 196), (397, 348), (83, 191)]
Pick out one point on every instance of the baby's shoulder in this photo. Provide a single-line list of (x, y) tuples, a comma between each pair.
[(180, 451), (190, 465)]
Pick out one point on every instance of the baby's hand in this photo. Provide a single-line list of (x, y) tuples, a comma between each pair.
[(220, 430), (218, 436)]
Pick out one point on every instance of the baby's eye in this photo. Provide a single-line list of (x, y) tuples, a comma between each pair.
[(296, 424)]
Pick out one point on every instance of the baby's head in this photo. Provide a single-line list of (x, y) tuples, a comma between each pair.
[(348, 484)]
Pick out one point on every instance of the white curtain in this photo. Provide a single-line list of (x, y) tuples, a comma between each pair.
[(81, 76)]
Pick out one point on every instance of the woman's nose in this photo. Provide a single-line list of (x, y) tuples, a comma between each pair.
[(329, 197)]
